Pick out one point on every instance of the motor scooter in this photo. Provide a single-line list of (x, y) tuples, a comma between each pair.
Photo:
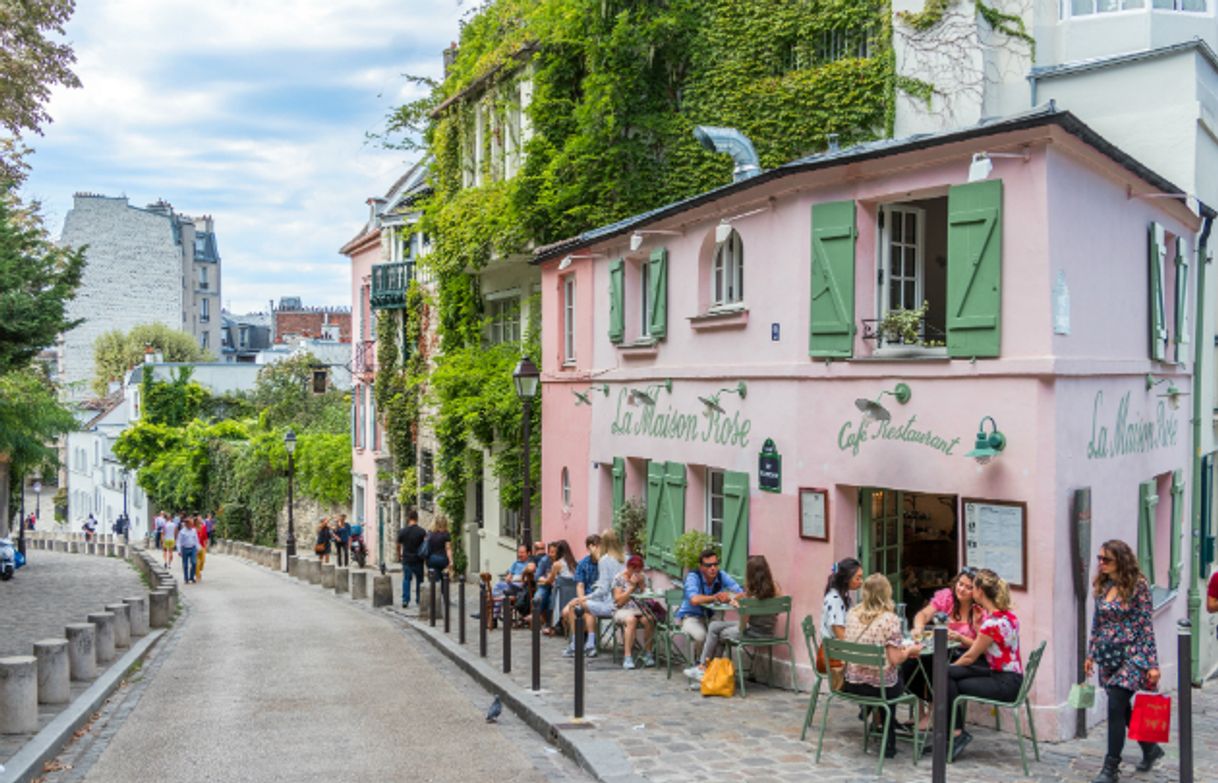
[(10, 559), (359, 551)]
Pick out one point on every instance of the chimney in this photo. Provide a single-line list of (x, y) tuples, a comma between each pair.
[(450, 57), (152, 355)]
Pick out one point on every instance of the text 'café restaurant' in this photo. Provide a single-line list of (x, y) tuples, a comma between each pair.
[(908, 352)]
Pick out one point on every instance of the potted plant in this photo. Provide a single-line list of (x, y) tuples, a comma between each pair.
[(903, 326), (630, 521), (688, 548)]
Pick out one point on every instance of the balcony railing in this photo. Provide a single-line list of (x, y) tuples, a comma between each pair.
[(365, 357), (389, 283), (927, 336)]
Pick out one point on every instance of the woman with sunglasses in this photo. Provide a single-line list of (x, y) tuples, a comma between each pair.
[(1122, 649), (964, 617)]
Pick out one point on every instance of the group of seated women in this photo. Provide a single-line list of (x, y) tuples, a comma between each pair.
[(985, 659)]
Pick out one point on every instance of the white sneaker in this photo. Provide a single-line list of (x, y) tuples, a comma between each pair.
[(694, 673), (628, 663)]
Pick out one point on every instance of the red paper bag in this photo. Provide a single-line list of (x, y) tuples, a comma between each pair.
[(1151, 718)]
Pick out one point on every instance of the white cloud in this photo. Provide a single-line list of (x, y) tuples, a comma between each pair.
[(253, 112)]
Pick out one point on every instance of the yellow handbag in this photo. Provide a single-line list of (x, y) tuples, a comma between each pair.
[(720, 678)]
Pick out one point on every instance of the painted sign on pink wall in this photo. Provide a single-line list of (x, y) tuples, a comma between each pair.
[(852, 436), (1129, 436)]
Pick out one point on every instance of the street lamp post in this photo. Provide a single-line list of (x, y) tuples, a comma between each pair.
[(526, 377), (289, 443), (38, 500)]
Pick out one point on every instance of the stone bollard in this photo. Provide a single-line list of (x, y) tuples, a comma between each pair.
[(382, 591), (359, 585), (104, 640), (73, 548), (137, 613), (122, 625), (121, 550), (327, 576), (54, 672), (294, 566), (158, 609), (313, 571), (18, 695), (82, 654), (342, 582)]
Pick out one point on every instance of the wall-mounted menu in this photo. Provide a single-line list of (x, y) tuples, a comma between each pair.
[(995, 537)]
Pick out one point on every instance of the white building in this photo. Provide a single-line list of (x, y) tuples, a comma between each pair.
[(148, 265)]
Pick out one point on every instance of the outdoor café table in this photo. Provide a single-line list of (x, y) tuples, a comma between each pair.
[(926, 657)]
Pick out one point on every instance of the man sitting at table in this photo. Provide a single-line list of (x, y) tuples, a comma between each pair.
[(703, 587), (512, 586)]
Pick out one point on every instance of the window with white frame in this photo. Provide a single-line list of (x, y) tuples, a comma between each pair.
[(646, 305), (203, 277), (913, 265), (205, 310), (727, 272), (568, 319), (1092, 7), (714, 503), (503, 320)]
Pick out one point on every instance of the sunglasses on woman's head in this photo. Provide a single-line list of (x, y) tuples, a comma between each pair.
[(968, 571), (1105, 559)]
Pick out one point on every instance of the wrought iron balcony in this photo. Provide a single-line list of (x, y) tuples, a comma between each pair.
[(389, 283), (365, 357)]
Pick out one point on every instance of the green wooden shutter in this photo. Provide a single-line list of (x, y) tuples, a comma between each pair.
[(1147, 500), (674, 497), (1181, 338), (658, 295), (1177, 515), (1158, 314), (831, 329), (657, 502), (735, 523), (619, 489), (617, 288), (974, 269)]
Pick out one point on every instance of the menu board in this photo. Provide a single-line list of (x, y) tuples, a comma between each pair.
[(995, 537)]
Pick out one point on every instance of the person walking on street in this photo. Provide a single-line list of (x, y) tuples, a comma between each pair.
[(90, 527), (158, 528), (204, 541), (342, 536), (439, 549), (324, 538), (410, 539), (1122, 649), (188, 547), (168, 531)]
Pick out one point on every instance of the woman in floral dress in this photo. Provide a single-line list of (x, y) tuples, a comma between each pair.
[(1122, 649)]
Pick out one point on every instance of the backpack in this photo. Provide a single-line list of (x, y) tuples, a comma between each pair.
[(424, 548)]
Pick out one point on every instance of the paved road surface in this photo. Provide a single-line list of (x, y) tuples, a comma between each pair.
[(252, 689)]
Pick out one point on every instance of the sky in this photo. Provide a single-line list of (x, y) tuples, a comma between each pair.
[(252, 111)]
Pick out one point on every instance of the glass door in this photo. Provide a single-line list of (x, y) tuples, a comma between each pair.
[(881, 535)]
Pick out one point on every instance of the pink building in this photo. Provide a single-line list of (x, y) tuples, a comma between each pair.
[(731, 345)]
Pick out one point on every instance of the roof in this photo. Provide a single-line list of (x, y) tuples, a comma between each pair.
[(1095, 63), (1039, 117)]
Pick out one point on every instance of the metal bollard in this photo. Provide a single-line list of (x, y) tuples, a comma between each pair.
[(484, 613), (536, 625), (505, 617), (461, 611), (1184, 697), (444, 597), (579, 661), (431, 607), (939, 683)]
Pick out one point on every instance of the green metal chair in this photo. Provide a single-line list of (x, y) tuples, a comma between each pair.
[(1021, 700), (809, 627), (751, 645), (670, 629), (876, 657)]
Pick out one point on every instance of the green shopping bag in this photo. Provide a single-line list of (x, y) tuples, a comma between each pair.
[(1082, 696)]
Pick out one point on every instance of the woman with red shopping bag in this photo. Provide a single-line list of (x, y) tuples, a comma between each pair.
[(1122, 649)]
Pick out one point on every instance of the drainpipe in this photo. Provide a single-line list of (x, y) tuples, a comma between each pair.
[(734, 143), (1200, 347)]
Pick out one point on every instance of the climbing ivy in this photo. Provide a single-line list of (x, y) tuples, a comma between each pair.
[(617, 87), (1011, 25)]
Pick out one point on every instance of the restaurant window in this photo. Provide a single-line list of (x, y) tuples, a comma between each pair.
[(1159, 550), (503, 320), (568, 319), (427, 479), (714, 503), (727, 272)]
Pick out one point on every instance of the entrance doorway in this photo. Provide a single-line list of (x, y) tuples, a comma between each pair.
[(913, 538)]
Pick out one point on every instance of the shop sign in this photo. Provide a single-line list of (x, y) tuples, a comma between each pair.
[(710, 426), (1136, 436), (769, 468), (852, 436)]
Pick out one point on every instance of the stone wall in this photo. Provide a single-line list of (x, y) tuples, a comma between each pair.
[(306, 514), (133, 276)]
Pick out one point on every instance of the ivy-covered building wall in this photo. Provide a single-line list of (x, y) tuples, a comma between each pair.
[(555, 116)]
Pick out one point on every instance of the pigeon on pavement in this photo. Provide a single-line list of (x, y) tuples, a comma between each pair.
[(492, 715)]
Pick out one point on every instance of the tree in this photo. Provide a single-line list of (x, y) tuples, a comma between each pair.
[(284, 395), (115, 353), (30, 419), (31, 64)]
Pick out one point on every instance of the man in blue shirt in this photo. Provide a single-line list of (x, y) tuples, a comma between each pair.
[(703, 587), (586, 572), (512, 586)]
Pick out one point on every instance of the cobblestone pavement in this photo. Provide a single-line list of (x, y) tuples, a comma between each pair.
[(672, 733), (54, 589), (265, 678)]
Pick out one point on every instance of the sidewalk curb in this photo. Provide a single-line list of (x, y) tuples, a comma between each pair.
[(603, 759), (26, 764)]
